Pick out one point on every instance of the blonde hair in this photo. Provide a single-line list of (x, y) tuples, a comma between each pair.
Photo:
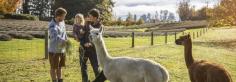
[(82, 21)]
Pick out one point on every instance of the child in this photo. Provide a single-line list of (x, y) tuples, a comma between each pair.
[(78, 28), (57, 42)]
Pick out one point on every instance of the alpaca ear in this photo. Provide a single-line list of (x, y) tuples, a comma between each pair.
[(189, 36), (100, 29), (91, 27)]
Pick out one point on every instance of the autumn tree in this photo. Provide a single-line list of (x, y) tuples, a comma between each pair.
[(224, 13), (9, 6)]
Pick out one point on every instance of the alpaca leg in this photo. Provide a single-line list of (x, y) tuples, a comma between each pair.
[(218, 76), (191, 77)]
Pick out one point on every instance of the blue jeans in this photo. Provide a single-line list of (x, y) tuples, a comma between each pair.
[(85, 54)]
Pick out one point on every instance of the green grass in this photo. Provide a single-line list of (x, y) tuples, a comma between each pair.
[(19, 61)]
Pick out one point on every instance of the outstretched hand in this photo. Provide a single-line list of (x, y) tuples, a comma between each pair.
[(88, 44)]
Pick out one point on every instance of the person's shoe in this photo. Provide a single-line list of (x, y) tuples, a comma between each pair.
[(54, 80), (100, 78), (60, 80)]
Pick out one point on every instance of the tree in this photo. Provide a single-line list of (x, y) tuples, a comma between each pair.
[(164, 15), (140, 21), (119, 21), (75, 6), (157, 16), (149, 17), (26, 7), (171, 17), (202, 14), (105, 6), (144, 17), (188, 12), (9, 6), (41, 8), (83, 6), (224, 13), (129, 19), (184, 10), (135, 17)]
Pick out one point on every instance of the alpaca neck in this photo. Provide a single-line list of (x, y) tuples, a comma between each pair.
[(103, 56), (188, 53)]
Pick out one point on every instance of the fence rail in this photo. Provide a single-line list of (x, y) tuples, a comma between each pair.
[(150, 37), (201, 32), (192, 34)]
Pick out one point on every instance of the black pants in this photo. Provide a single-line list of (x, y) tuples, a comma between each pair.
[(85, 54)]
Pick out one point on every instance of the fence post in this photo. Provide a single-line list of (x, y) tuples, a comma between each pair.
[(46, 44), (166, 37), (200, 33), (175, 35), (193, 35), (151, 38), (132, 39), (203, 30), (197, 35)]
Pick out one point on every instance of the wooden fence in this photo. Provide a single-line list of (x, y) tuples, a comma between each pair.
[(194, 35)]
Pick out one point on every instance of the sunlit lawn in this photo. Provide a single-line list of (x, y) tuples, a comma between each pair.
[(22, 60)]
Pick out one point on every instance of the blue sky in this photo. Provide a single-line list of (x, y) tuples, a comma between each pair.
[(139, 7)]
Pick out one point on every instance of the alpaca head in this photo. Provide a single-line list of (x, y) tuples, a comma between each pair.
[(95, 35), (183, 40)]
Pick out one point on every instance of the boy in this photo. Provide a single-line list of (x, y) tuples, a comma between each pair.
[(57, 43)]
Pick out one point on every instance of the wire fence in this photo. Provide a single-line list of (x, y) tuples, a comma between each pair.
[(38, 49)]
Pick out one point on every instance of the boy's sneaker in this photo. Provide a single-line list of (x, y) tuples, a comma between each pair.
[(60, 80)]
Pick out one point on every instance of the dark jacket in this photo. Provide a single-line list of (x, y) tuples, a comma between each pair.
[(96, 24), (84, 38), (78, 35)]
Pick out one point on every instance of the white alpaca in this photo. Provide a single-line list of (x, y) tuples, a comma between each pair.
[(126, 69)]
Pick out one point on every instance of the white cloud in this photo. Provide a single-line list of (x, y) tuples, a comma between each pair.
[(139, 7)]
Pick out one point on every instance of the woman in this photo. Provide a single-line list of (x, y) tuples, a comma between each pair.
[(78, 27), (87, 50)]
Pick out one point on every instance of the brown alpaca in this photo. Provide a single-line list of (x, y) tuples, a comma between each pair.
[(201, 71)]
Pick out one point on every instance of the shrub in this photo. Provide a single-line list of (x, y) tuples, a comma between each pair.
[(40, 35), (21, 35), (70, 34), (1, 16), (20, 16), (140, 21), (70, 22), (5, 37)]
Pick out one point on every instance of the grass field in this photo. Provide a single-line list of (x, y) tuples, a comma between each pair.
[(22, 60)]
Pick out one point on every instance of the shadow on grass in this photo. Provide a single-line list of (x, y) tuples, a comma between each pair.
[(23, 61), (230, 44)]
